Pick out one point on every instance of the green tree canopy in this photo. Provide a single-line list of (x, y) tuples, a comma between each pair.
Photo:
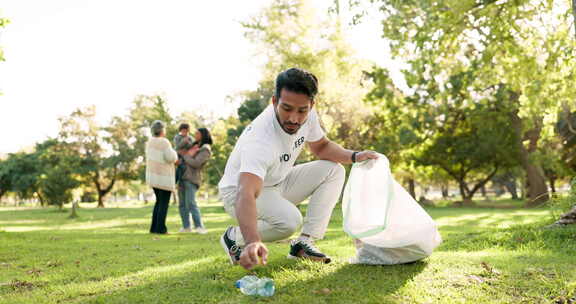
[(521, 51), (106, 154)]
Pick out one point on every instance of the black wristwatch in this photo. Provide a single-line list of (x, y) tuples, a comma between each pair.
[(354, 156)]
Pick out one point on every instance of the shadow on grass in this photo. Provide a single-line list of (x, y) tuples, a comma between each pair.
[(296, 282), (356, 284)]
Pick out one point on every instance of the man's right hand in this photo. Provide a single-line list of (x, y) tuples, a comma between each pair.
[(253, 254)]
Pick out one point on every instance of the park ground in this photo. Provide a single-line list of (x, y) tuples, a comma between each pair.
[(489, 255)]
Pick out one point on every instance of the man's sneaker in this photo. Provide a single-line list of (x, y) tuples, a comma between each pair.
[(201, 230), (232, 250), (185, 230), (304, 248)]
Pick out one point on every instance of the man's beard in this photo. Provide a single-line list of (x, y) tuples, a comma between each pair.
[(296, 126), (293, 130)]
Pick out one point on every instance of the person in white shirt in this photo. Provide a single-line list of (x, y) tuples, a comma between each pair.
[(261, 186)]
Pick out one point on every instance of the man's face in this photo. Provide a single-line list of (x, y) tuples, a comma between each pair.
[(292, 110), (184, 132)]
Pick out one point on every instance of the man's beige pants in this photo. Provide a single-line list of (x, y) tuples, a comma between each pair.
[(278, 216)]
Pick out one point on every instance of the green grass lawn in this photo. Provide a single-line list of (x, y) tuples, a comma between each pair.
[(107, 256)]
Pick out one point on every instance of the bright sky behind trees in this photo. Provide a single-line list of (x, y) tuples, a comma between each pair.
[(64, 54)]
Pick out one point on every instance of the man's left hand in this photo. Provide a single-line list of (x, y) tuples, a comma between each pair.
[(366, 155)]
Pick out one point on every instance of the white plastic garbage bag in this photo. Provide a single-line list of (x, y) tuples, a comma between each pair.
[(389, 225)]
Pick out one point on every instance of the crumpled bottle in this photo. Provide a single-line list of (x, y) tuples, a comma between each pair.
[(252, 285)]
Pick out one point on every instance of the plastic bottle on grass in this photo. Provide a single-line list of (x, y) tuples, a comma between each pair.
[(252, 285)]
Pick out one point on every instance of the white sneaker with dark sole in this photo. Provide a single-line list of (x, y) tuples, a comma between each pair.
[(232, 250), (305, 249)]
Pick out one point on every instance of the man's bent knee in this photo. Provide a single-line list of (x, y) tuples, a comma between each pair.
[(336, 169), (289, 226)]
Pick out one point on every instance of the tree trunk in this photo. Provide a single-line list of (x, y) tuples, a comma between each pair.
[(552, 177), (537, 191), (466, 195), (552, 180), (467, 201), (412, 187), (100, 200), (103, 191), (444, 189), (510, 186), (462, 189), (574, 14), (482, 183), (73, 213), (483, 191), (42, 201)]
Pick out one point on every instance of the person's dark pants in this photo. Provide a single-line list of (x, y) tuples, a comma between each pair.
[(160, 211)]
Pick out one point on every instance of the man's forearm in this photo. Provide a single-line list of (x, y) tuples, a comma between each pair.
[(247, 216), (334, 152)]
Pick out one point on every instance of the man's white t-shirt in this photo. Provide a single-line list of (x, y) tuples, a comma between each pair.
[(266, 150)]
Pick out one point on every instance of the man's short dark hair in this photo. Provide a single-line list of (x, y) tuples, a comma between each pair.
[(298, 81), (184, 126)]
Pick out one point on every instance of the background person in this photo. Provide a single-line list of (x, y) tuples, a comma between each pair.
[(160, 160), (194, 159), (182, 142)]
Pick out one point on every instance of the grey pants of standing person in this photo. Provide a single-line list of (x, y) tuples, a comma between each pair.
[(278, 216), (187, 205)]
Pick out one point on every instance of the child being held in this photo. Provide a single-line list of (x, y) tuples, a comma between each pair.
[(182, 142)]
